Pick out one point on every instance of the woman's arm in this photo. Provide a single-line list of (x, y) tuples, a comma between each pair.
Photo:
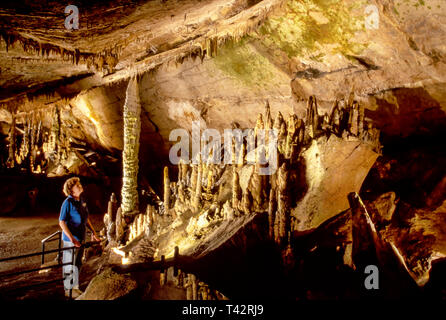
[(95, 236), (67, 231)]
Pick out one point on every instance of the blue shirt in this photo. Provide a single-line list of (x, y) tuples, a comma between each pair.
[(75, 214)]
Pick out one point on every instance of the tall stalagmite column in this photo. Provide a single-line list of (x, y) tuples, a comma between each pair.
[(132, 128)]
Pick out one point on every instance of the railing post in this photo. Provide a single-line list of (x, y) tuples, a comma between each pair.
[(60, 242)]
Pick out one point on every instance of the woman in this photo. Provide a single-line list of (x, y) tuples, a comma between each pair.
[(73, 219)]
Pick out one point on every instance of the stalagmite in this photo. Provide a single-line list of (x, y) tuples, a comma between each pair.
[(268, 118), (194, 282), (180, 171), (233, 152), (246, 202), (241, 159), (111, 208), (10, 163), (197, 194), (353, 121), (257, 187), (268, 122), (282, 204), (276, 228), (166, 189), (111, 218), (259, 125), (132, 128), (291, 132), (271, 213), (210, 179), (280, 126), (325, 122), (301, 133), (150, 215), (119, 225), (193, 178), (183, 171), (188, 286), (312, 119), (361, 117), (181, 193), (335, 119)]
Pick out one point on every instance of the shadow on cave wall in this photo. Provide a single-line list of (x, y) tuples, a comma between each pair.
[(413, 131)]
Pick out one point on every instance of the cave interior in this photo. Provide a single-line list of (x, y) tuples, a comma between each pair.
[(339, 175)]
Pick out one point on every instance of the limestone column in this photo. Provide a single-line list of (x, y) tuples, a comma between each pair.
[(132, 128)]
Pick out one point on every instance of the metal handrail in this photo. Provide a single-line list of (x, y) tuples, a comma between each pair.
[(58, 233), (43, 253), (35, 254), (86, 245), (47, 239), (35, 269)]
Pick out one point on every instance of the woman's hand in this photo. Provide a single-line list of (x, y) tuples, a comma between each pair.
[(76, 243), (94, 237)]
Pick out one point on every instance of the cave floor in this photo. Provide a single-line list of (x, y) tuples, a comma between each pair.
[(21, 235)]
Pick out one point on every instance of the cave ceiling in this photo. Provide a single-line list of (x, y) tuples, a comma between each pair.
[(211, 60)]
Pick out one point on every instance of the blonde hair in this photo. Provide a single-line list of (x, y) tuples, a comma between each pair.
[(69, 184)]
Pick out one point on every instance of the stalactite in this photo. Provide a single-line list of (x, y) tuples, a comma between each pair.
[(132, 129)]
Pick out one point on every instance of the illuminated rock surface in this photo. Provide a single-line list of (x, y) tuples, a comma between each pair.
[(377, 129)]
